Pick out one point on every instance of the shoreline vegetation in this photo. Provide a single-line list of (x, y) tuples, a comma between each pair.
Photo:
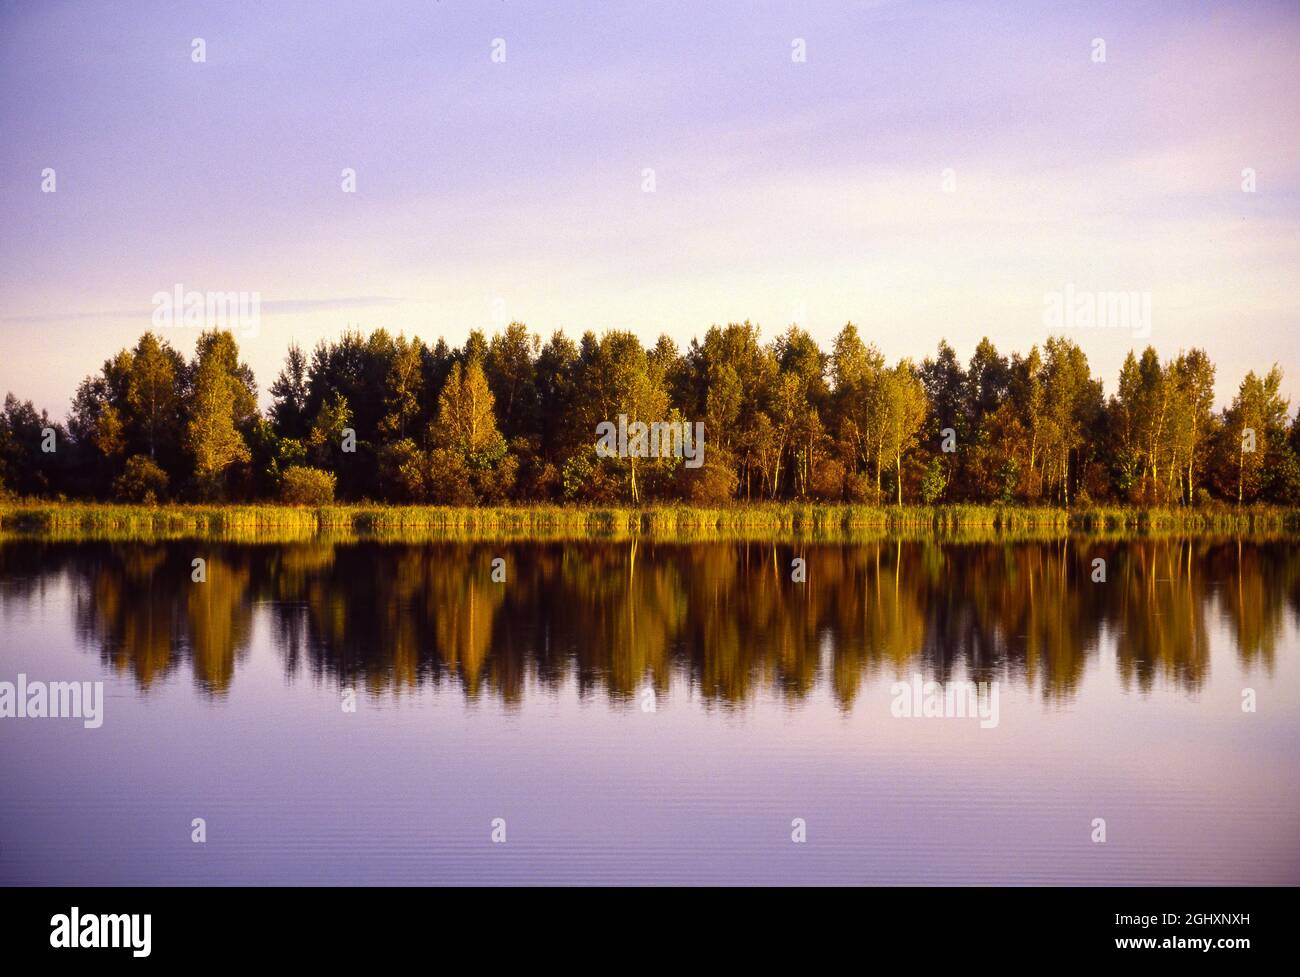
[(759, 522), (590, 430)]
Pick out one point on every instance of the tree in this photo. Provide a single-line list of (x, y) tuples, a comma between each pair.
[(1193, 417), (153, 393), (946, 390), (220, 400), (220, 348), (1145, 405), (988, 381), (110, 432), (903, 408), (25, 467), (1255, 425), (325, 440), (1030, 405), (557, 395), (729, 380), (616, 378), (510, 417), (508, 366), (988, 385), (466, 420), (1125, 420), (1073, 400), (403, 388), (804, 398), (857, 371), (470, 452), (289, 396)]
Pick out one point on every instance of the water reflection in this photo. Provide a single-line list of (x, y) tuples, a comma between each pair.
[(725, 617)]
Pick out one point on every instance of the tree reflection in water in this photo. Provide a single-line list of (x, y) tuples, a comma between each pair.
[(724, 617)]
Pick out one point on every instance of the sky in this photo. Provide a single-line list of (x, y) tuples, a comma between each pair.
[(927, 171)]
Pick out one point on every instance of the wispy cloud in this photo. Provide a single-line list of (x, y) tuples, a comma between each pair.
[(273, 307)]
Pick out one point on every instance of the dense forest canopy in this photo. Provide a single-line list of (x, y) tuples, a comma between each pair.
[(513, 418)]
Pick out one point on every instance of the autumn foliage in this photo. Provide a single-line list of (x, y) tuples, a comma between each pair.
[(514, 419)]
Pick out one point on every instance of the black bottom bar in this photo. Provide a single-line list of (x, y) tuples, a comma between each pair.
[(1222, 927)]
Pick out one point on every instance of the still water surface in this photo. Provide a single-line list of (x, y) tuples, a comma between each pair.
[(652, 712)]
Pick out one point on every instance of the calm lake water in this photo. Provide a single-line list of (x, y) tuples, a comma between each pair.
[(653, 712)]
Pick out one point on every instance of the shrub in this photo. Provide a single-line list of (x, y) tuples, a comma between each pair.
[(713, 483), (828, 480), (861, 488), (302, 485), (935, 481), (403, 471), (141, 481), (541, 480), (448, 478), (493, 474), (589, 479)]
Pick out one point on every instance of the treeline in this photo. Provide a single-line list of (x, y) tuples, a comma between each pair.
[(513, 418)]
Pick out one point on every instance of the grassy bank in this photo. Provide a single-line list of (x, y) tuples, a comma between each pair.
[(271, 523)]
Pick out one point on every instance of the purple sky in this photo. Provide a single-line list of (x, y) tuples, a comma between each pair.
[(784, 191)]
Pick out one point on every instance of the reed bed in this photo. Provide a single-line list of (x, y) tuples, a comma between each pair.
[(280, 523)]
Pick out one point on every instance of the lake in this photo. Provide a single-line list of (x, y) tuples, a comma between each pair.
[(367, 712)]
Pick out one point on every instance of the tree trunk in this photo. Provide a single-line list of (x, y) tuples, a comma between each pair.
[(1241, 464)]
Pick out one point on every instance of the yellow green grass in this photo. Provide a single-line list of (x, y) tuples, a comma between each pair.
[(276, 523)]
